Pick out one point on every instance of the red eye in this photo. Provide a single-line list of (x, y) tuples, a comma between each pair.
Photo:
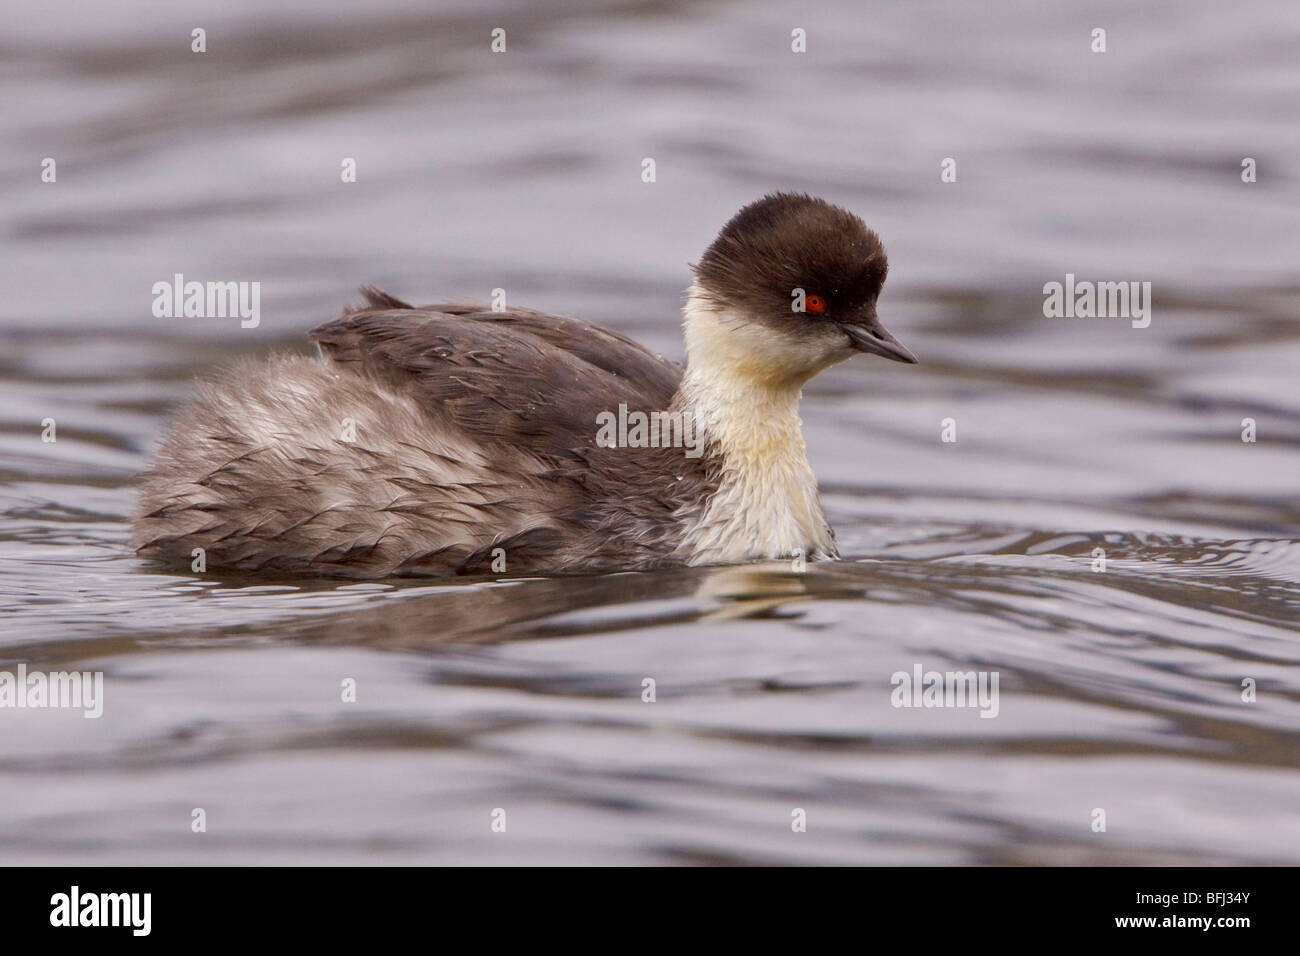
[(815, 303)]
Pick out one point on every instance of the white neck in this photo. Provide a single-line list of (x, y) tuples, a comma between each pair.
[(739, 385)]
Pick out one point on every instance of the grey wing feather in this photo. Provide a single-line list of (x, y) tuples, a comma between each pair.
[(516, 377)]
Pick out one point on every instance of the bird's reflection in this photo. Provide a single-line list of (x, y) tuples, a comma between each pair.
[(424, 617)]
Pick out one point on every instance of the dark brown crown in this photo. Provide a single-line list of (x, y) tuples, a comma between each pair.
[(788, 241)]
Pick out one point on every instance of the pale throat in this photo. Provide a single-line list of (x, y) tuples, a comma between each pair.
[(740, 386)]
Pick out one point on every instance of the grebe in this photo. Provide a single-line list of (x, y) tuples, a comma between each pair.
[(453, 439)]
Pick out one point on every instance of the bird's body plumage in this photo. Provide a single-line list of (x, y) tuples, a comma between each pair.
[(422, 442)]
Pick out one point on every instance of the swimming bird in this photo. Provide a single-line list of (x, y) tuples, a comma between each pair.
[(455, 439)]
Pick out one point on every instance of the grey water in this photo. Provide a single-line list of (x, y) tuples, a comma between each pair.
[(1162, 689)]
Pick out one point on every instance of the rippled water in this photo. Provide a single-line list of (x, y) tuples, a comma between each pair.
[(1119, 689)]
